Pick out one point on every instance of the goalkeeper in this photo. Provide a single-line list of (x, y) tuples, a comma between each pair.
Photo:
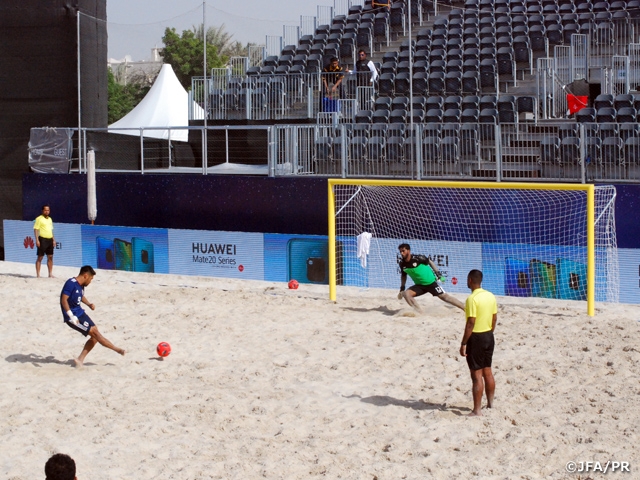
[(424, 274)]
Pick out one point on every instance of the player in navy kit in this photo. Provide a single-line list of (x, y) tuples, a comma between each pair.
[(71, 300), (424, 274)]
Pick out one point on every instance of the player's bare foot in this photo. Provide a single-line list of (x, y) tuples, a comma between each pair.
[(121, 351), (475, 414), (77, 363)]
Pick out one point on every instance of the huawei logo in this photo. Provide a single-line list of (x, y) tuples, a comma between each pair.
[(28, 242)]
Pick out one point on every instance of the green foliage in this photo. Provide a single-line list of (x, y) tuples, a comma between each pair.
[(185, 54), (122, 98)]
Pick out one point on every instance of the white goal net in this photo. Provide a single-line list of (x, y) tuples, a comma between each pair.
[(529, 240)]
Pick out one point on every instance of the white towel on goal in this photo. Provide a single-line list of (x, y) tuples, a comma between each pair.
[(362, 250)]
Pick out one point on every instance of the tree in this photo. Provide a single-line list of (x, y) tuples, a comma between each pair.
[(223, 41), (237, 49), (122, 98), (216, 36), (185, 54)]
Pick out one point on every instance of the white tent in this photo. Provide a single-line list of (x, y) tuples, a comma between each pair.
[(165, 105)]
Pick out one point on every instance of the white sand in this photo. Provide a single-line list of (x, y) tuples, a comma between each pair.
[(266, 382)]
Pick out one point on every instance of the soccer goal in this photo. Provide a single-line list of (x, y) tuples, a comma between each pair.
[(530, 240)]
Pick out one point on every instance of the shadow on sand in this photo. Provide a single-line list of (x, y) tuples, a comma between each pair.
[(382, 309), (37, 360), (385, 401), (16, 275)]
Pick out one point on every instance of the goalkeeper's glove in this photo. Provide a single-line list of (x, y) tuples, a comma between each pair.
[(72, 318), (400, 295), (442, 278)]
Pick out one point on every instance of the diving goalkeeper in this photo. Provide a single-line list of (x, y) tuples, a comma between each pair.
[(424, 274)]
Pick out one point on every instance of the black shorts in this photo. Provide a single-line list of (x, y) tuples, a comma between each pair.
[(433, 288), (480, 350), (46, 246)]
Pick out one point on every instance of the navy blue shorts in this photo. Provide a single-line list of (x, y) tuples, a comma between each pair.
[(84, 325), (433, 288), (480, 350)]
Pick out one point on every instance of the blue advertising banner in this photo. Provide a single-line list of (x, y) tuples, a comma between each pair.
[(217, 254), (629, 261), (20, 244), (525, 271), (125, 248), (304, 258), (532, 270)]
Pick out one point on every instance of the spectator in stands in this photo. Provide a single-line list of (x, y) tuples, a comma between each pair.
[(380, 3), (332, 76), (365, 70), (60, 467)]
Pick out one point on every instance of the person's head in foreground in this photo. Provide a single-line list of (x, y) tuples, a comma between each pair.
[(474, 279), (60, 467)]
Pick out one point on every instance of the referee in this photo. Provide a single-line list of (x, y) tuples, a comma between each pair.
[(43, 231), (481, 313)]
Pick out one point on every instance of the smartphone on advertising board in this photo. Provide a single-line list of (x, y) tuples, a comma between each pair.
[(543, 279), (105, 253), (308, 260), (123, 255), (516, 278), (142, 255), (572, 279)]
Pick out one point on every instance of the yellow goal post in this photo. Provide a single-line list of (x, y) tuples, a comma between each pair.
[(387, 208)]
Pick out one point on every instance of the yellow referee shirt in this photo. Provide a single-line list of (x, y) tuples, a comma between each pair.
[(44, 226), (481, 304)]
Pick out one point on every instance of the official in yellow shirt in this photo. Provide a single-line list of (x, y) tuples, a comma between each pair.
[(45, 241), (481, 313)]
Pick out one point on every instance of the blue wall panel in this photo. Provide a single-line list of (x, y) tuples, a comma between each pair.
[(198, 202)]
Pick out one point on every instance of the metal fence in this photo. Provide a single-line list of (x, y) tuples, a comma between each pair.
[(281, 97), (229, 149), (565, 151), (543, 151)]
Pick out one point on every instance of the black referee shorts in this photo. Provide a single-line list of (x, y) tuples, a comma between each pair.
[(480, 350), (46, 246)]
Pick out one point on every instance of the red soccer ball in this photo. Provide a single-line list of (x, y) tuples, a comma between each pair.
[(293, 284), (163, 349)]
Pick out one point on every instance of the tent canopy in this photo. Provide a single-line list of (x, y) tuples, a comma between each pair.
[(165, 105)]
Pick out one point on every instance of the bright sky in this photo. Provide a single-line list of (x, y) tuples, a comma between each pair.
[(136, 26)]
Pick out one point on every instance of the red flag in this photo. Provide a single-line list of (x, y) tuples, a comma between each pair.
[(576, 102)]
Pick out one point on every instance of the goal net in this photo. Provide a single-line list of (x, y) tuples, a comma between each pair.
[(529, 240)]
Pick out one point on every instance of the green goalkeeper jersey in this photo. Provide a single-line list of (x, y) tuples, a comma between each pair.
[(419, 270)]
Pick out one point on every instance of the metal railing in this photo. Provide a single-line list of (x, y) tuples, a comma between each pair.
[(230, 149), (563, 151), (532, 152), (280, 97)]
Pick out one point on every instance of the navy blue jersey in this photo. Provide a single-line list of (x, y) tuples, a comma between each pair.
[(75, 291)]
